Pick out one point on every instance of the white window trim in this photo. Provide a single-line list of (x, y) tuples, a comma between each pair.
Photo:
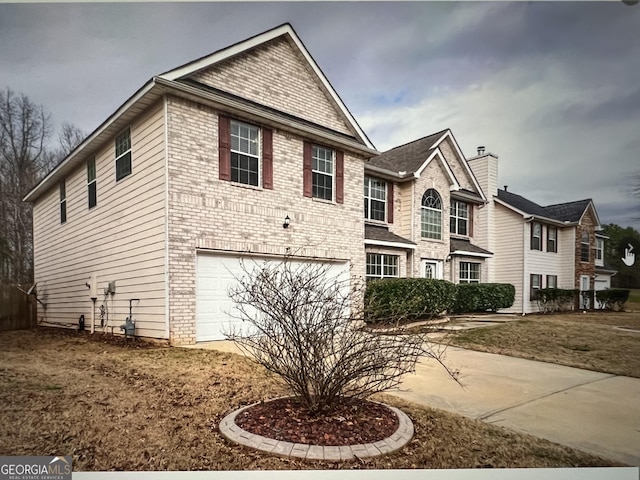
[(238, 152), (453, 215), (333, 173), (468, 278), (424, 208), (599, 251), (383, 256), (368, 199), (122, 154)]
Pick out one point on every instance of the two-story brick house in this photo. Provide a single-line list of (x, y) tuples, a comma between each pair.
[(243, 155), (249, 154)]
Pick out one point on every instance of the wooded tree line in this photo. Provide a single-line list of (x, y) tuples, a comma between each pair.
[(615, 249), (26, 155)]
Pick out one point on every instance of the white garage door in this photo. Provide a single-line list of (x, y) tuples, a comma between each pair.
[(215, 274)]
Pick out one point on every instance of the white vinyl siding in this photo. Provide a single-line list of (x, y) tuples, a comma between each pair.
[(123, 241), (508, 252)]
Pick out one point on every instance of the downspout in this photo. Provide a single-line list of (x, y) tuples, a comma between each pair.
[(166, 218)]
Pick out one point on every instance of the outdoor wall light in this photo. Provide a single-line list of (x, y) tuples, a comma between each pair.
[(287, 221)]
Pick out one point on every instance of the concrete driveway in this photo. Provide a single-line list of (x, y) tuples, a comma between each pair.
[(594, 412)]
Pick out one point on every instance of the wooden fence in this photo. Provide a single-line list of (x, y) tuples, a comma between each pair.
[(17, 310)]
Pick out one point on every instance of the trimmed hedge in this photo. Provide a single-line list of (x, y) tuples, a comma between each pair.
[(482, 297), (555, 299), (612, 298), (395, 299)]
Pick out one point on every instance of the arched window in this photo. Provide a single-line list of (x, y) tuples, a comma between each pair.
[(431, 215)]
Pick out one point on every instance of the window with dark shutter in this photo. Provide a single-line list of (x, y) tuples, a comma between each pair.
[(224, 148), (267, 158)]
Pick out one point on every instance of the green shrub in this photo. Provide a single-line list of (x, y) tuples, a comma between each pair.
[(555, 299), (612, 298), (395, 299), (482, 297)]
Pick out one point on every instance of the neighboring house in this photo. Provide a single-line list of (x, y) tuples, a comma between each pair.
[(420, 206), (541, 246), (243, 155)]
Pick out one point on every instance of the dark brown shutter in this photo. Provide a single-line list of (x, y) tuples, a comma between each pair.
[(470, 232), (306, 170), (389, 202), (339, 177), (267, 158), (224, 147)]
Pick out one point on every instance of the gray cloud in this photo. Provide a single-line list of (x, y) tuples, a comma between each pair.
[(552, 87)]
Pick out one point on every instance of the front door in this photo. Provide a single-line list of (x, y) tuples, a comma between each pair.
[(584, 295), (432, 269)]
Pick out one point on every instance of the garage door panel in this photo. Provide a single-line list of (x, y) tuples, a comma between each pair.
[(215, 275)]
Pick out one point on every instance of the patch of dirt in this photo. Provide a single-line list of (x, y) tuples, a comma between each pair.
[(350, 423)]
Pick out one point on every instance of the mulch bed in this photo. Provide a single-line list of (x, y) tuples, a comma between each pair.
[(350, 423)]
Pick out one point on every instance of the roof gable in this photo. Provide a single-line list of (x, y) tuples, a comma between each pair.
[(412, 158), (297, 86)]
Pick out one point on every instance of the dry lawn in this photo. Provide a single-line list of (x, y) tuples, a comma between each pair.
[(125, 408), (590, 340)]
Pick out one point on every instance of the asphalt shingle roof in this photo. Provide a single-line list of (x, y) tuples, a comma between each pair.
[(564, 212), (382, 234), (456, 244), (408, 157)]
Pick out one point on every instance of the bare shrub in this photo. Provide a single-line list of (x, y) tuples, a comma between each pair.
[(305, 325)]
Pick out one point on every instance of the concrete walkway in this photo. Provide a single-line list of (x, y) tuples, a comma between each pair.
[(595, 412)]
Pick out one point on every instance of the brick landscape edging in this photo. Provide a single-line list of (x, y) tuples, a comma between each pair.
[(399, 439)]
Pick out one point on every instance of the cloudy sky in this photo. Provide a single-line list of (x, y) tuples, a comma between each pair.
[(552, 88)]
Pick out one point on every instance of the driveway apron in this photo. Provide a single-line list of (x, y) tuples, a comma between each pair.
[(595, 412)]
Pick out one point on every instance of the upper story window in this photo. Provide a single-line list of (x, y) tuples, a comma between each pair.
[(584, 247), (245, 153), (431, 215), (459, 219), (552, 239), (536, 236), (469, 272), (599, 252), (381, 266), (63, 202), (375, 199), (323, 173), (123, 154), (92, 187)]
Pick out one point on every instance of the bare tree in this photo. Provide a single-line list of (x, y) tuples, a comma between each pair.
[(69, 138), (24, 129), (304, 325)]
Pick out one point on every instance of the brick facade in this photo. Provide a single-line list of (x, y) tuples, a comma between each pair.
[(206, 213)]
